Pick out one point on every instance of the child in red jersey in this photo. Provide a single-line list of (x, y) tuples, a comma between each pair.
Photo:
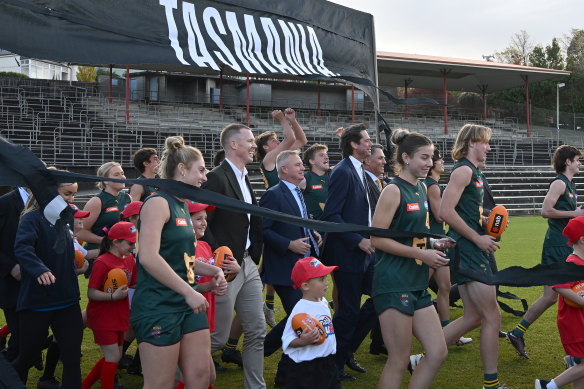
[(108, 314), (570, 319)]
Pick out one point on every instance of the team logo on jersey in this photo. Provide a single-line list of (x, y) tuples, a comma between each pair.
[(426, 205), (327, 324), (315, 187), (181, 222), (404, 299), (571, 195), (111, 209), (413, 207), (156, 331), (479, 183)]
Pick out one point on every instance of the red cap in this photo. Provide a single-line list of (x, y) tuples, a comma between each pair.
[(79, 213), (575, 229), (308, 268), (122, 230), (198, 207), (132, 209)]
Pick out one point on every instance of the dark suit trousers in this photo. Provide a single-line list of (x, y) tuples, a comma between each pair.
[(289, 297), (13, 323), (352, 321)]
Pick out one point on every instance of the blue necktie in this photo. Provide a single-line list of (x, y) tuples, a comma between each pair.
[(305, 216)]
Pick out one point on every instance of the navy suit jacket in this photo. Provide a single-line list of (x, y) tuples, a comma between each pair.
[(11, 206), (278, 260), (346, 202)]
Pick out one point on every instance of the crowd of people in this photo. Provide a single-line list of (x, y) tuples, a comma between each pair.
[(179, 306)]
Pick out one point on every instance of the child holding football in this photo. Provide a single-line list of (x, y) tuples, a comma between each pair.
[(108, 311), (570, 318), (313, 365)]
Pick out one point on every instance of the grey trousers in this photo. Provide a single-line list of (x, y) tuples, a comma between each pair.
[(244, 294)]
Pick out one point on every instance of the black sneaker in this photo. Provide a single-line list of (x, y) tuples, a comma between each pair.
[(232, 356), (541, 384), (218, 367), (125, 362), (518, 343), (48, 383)]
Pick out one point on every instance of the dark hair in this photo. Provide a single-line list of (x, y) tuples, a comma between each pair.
[(141, 156), (228, 132), (261, 140), (219, 157), (105, 245), (351, 134), (562, 153), (435, 157), (176, 152), (311, 151), (406, 142)]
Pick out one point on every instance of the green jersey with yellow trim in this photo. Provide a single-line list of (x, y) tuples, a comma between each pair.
[(566, 202), (315, 193), (270, 177), (111, 209), (436, 227)]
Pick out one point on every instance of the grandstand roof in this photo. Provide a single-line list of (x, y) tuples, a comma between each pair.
[(464, 74)]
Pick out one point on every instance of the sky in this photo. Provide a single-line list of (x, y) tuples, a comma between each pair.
[(466, 29)]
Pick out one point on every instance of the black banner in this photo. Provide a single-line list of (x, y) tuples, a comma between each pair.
[(311, 39)]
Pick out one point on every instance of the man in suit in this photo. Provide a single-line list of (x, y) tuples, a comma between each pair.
[(284, 244), (348, 202), (11, 205), (242, 234)]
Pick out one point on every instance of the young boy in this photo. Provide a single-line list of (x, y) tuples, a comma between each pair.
[(313, 365), (570, 319)]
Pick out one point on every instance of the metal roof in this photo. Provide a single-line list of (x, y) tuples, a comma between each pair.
[(463, 74)]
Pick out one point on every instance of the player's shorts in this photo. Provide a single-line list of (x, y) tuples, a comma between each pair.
[(470, 258), (104, 337), (168, 329), (404, 302), (554, 254), (574, 349)]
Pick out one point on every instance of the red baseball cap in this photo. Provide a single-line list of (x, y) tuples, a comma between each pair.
[(198, 207), (132, 209), (122, 230), (79, 213), (574, 230), (308, 268)]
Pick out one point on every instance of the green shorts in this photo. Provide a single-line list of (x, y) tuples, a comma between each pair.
[(471, 258), (555, 254), (168, 329), (404, 302)]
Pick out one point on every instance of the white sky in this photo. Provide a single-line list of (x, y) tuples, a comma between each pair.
[(466, 28)]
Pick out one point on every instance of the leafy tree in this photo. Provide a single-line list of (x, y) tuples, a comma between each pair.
[(575, 52), (537, 57), (553, 54), (521, 41), (86, 74), (509, 55)]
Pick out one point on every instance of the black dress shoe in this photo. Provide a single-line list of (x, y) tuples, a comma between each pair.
[(376, 349), (354, 365), (344, 376)]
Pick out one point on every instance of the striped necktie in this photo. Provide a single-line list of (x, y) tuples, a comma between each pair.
[(305, 216)]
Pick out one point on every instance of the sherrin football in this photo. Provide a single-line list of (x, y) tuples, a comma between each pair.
[(579, 290), (79, 259), (498, 218), (116, 278), (304, 322), (222, 254)]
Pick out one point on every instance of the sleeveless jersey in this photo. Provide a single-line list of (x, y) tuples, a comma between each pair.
[(399, 274), (270, 177), (148, 190), (177, 247), (111, 209), (566, 202), (315, 193), (435, 226)]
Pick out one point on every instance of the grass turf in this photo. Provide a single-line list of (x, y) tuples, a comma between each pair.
[(520, 245)]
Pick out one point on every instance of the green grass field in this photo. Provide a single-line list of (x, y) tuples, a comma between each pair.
[(521, 245)]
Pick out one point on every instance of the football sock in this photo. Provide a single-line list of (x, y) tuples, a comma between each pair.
[(108, 374), (231, 345), (270, 301), (4, 331), (51, 360), (93, 375), (491, 380), (180, 385), (444, 323), (552, 385), (521, 328)]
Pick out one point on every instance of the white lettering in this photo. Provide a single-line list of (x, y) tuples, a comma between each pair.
[(169, 5), (317, 54), (239, 43), (195, 36), (274, 46), (254, 41), (211, 13), (289, 47), (305, 50), (297, 55)]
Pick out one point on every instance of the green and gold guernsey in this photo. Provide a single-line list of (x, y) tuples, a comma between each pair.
[(470, 206), (111, 209), (148, 190), (435, 226), (177, 247), (399, 274), (270, 177), (566, 202), (315, 193)]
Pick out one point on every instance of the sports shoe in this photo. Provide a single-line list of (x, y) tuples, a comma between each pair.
[(270, 316), (219, 368), (541, 384), (48, 383), (518, 343), (414, 362), (125, 361), (462, 341), (232, 356)]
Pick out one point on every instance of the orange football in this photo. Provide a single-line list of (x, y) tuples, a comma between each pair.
[(304, 322), (579, 290), (222, 254), (116, 278), (498, 218), (79, 259)]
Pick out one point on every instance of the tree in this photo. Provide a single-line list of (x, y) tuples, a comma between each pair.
[(522, 43), (86, 74), (553, 55), (537, 57), (509, 55), (575, 52)]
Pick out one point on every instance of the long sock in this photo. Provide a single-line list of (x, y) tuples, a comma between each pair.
[(231, 345), (108, 374), (125, 347), (93, 375), (51, 360), (444, 323), (552, 385), (491, 380), (211, 386), (270, 301), (521, 328), (4, 331), (180, 385)]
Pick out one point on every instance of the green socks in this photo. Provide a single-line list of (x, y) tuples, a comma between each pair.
[(521, 328)]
